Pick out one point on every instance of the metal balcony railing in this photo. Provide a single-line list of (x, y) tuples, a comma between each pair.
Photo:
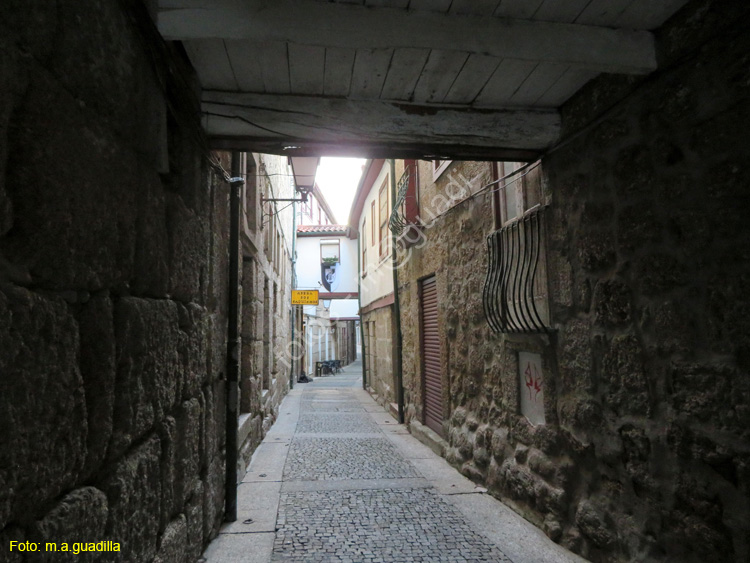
[(398, 221), (515, 289)]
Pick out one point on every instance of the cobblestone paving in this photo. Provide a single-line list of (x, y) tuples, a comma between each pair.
[(313, 423), (331, 406), (382, 525), (329, 459)]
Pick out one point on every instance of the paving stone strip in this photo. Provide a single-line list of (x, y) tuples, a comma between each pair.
[(349, 495), (385, 525)]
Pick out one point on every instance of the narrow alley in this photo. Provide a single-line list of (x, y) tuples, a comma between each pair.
[(337, 479), (531, 260)]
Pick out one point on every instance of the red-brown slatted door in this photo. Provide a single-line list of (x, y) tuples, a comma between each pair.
[(431, 372)]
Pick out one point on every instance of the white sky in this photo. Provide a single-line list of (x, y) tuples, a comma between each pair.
[(337, 178)]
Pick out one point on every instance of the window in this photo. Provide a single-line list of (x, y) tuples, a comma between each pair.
[(384, 215), (373, 222), (515, 292), (330, 249), (363, 245), (438, 167), (516, 195)]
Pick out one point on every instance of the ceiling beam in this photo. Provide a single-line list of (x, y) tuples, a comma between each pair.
[(408, 150), (291, 122), (328, 24)]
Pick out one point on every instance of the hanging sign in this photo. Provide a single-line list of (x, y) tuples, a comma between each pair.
[(304, 297)]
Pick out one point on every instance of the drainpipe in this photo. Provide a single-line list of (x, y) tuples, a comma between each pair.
[(396, 308), (233, 340), (294, 286), (361, 320)]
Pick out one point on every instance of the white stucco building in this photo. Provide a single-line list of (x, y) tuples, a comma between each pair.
[(326, 260)]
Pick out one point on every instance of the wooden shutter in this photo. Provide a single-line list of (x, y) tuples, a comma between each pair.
[(430, 343)]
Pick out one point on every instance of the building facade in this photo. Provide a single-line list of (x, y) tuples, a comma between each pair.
[(370, 215), (327, 261), (574, 332), (266, 243)]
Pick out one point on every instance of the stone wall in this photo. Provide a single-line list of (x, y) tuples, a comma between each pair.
[(379, 352), (113, 260), (266, 299), (644, 454)]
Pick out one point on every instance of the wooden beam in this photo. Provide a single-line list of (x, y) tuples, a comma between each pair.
[(413, 150), (350, 26), (294, 122)]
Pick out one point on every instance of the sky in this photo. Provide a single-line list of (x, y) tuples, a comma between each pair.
[(337, 178)]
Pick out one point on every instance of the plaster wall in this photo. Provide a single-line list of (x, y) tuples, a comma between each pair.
[(377, 280), (308, 264)]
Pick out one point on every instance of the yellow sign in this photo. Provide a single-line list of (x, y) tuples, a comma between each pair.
[(304, 297)]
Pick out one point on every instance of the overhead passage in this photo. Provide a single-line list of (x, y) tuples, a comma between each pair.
[(440, 78)]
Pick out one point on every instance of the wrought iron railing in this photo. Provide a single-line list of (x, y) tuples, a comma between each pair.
[(515, 292), (398, 221)]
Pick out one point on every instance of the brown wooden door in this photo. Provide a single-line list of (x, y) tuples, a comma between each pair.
[(430, 341)]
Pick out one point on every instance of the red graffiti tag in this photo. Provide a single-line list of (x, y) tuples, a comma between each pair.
[(533, 381)]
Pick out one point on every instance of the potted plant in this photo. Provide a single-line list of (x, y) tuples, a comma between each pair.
[(330, 261)]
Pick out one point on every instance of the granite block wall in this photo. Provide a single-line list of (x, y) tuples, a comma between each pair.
[(644, 452), (113, 261)]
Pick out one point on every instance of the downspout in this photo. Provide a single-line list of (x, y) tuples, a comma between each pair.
[(359, 304), (396, 308), (294, 286), (233, 340)]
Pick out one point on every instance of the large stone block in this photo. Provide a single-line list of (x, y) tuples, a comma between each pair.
[(151, 262), (194, 522), (714, 394), (42, 402), (623, 373), (115, 79), (517, 481), (11, 533), (70, 175), (659, 273), (148, 379), (596, 250), (33, 24), (188, 449), (593, 521), (167, 429), (575, 357), (80, 517), (188, 251), (96, 328), (696, 524), (612, 303), (13, 82), (193, 340), (634, 172), (173, 542), (213, 496), (133, 489), (637, 227), (214, 421)]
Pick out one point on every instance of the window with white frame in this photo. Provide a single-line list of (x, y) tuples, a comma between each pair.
[(330, 251), (384, 216)]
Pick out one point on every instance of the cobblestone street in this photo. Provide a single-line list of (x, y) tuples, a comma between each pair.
[(337, 479)]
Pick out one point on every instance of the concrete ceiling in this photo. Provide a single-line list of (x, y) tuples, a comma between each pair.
[(409, 78)]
